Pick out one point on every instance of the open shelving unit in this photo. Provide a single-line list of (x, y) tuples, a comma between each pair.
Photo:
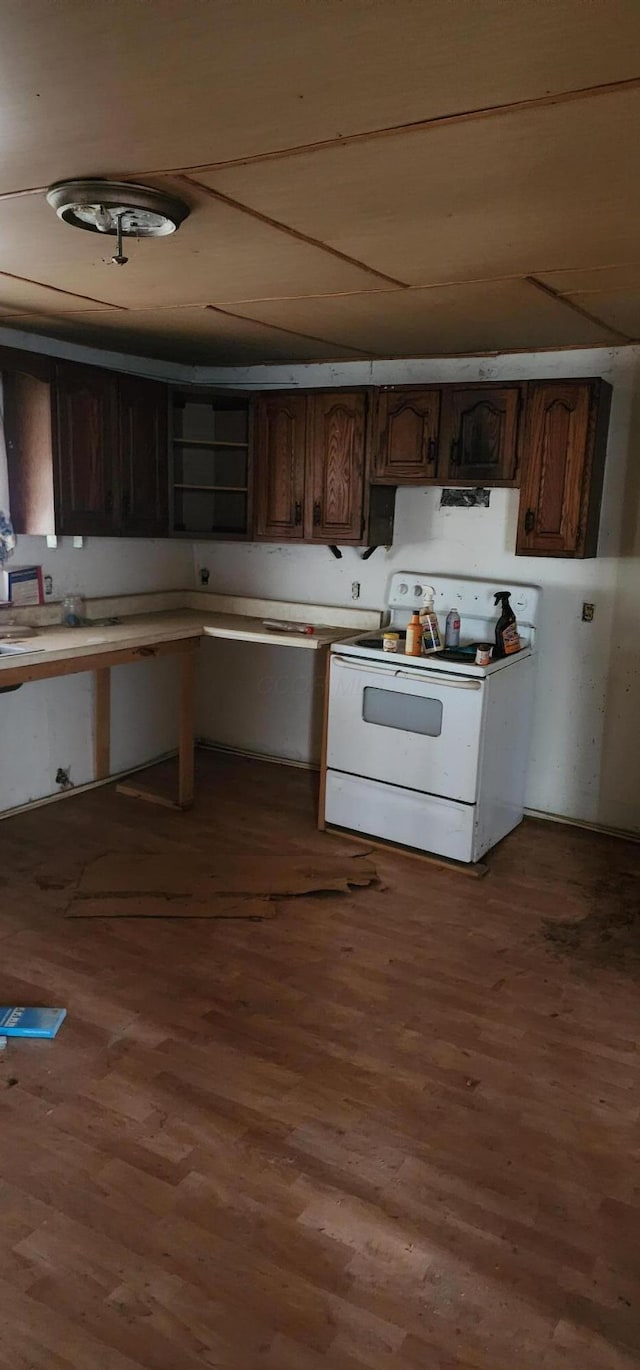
[(211, 465)]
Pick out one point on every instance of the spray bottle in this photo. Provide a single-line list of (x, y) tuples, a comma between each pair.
[(431, 640), (507, 635)]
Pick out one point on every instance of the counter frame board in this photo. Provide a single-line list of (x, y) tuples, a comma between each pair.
[(100, 663)]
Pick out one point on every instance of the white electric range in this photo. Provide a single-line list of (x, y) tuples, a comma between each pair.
[(432, 751)]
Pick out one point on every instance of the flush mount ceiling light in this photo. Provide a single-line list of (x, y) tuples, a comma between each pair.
[(119, 208)]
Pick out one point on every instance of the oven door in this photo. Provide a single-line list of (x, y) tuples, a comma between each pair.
[(418, 729)]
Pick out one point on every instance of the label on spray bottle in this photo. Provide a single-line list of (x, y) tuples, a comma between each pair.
[(431, 640), (511, 639)]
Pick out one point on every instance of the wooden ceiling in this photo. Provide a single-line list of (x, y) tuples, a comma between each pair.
[(366, 178)]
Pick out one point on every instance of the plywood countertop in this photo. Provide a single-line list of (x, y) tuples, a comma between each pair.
[(58, 643)]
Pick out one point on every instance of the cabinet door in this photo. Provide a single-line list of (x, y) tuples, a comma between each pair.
[(335, 492), (85, 435), (565, 440), (144, 458), (280, 445), (480, 436), (405, 442)]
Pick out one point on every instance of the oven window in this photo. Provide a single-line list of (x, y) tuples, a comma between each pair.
[(411, 713)]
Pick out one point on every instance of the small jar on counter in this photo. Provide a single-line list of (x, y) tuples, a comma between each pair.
[(74, 611), (390, 642)]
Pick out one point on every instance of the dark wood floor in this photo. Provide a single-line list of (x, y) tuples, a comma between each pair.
[(396, 1129)]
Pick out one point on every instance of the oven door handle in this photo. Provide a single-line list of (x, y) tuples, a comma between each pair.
[(450, 683), (379, 669)]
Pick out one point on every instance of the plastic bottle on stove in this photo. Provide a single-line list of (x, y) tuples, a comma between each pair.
[(431, 640), (413, 640), (452, 630)]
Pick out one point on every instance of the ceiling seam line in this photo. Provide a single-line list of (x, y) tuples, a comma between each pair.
[(292, 332), (58, 290), (577, 309), (415, 126), (292, 232), (389, 131)]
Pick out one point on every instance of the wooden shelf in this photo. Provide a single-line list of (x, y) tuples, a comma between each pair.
[(206, 442), (212, 489)]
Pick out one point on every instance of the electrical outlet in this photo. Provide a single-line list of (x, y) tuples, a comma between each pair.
[(588, 611), (355, 589), (204, 575)]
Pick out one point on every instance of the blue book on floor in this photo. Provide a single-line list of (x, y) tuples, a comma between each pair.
[(30, 1022)]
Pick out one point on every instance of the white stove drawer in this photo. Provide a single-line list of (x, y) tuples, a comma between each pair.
[(398, 815), (417, 729)]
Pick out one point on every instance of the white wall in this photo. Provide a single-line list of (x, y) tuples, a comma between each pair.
[(588, 685), (49, 723)]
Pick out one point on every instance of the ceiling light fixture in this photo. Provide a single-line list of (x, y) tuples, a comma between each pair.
[(119, 208)]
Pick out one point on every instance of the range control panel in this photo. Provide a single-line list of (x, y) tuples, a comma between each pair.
[(472, 598)]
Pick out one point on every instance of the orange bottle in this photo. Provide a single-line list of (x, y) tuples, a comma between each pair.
[(413, 644)]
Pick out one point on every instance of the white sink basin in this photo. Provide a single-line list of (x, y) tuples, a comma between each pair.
[(12, 649)]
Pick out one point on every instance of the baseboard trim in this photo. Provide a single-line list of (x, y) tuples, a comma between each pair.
[(623, 833), (209, 746), (84, 789)]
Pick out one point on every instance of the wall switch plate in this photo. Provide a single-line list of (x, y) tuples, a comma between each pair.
[(52, 541), (355, 589), (588, 611)]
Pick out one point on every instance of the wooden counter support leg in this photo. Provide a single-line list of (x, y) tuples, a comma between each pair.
[(186, 731), (102, 724)]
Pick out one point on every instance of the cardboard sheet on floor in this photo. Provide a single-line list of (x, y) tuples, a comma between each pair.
[(116, 886)]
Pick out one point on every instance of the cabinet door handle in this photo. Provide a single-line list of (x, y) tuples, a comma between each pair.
[(317, 513), (454, 455), (432, 452), (297, 512), (529, 521), (126, 504)]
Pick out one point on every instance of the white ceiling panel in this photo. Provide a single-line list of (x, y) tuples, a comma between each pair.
[(96, 89), (19, 296), (523, 193), (619, 309), (217, 252), (472, 318), (187, 335), (605, 278)]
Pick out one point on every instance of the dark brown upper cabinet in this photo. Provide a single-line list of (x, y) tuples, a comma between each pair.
[(310, 453), (565, 444), (85, 432), (335, 485), (87, 453), (406, 434), (280, 466), (143, 457), (480, 435)]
